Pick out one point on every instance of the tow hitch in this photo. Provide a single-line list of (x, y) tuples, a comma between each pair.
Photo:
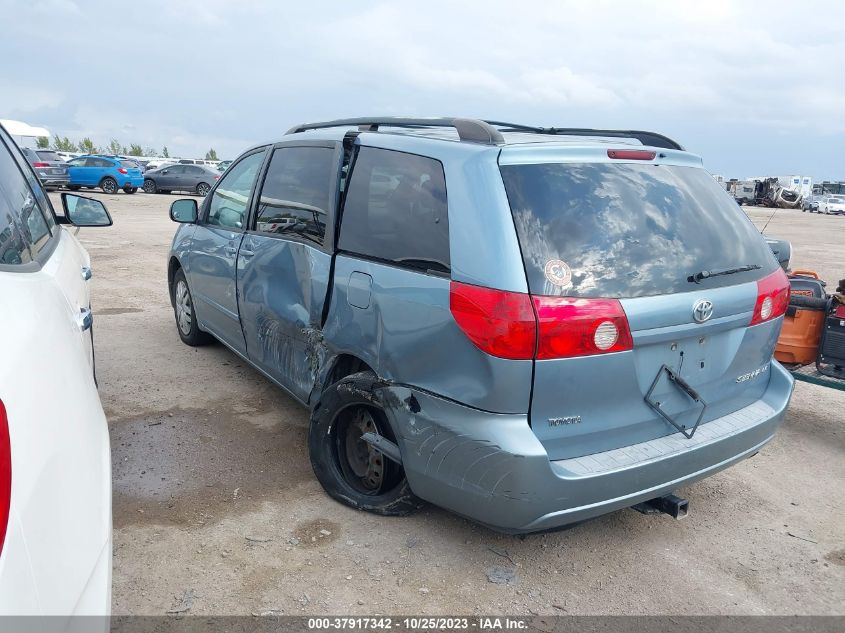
[(675, 507)]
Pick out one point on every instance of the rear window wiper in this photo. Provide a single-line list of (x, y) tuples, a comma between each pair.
[(704, 274)]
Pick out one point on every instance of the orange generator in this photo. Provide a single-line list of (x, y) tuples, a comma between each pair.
[(804, 321)]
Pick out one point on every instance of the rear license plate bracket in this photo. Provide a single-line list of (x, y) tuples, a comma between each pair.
[(683, 386)]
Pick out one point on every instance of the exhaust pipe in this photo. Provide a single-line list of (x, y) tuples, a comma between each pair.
[(674, 506)]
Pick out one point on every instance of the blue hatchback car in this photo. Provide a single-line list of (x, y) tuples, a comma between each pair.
[(528, 326), (109, 173)]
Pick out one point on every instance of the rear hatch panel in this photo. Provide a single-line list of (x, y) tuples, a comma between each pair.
[(596, 403), (637, 231)]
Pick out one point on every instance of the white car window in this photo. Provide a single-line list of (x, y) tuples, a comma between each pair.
[(23, 229)]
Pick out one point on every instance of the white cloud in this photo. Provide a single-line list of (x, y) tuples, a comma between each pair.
[(561, 86), (198, 70)]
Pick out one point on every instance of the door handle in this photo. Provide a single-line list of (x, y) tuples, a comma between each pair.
[(245, 252), (86, 273), (85, 319), (230, 250)]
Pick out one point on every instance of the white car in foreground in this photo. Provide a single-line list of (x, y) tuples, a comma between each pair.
[(55, 464), (833, 205)]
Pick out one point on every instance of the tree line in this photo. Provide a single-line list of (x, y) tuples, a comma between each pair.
[(87, 146)]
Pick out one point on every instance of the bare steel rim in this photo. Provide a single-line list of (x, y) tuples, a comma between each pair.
[(184, 309), (362, 466)]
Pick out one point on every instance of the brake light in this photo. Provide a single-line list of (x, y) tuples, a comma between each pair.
[(5, 474), (521, 327), (631, 154), (122, 170), (500, 323), (573, 326), (772, 297), (217, 178), (40, 164), (839, 313)]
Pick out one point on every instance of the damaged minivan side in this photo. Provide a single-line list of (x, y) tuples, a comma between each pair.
[(530, 327)]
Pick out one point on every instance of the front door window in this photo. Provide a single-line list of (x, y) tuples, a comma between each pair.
[(231, 198)]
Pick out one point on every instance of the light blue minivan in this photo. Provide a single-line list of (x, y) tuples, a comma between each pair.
[(528, 326)]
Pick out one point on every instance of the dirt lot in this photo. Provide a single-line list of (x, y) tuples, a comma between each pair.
[(215, 506)]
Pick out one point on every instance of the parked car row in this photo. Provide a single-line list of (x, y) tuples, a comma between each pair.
[(830, 205), (112, 173)]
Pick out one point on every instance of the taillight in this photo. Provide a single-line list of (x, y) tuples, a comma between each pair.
[(217, 178), (572, 326), (122, 170), (5, 474), (40, 164), (521, 327), (839, 312), (631, 154), (499, 323), (772, 297)]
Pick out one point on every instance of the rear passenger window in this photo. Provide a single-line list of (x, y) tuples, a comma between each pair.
[(295, 196), (395, 210)]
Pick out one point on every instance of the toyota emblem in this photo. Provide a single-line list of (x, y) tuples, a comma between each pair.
[(702, 310)]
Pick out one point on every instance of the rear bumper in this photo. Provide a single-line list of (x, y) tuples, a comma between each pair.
[(130, 181), (49, 180), (492, 469)]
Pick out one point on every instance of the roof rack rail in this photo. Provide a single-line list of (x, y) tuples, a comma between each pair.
[(472, 130), (646, 138)]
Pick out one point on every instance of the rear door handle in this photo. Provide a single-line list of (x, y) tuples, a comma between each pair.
[(85, 319), (86, 273), (245, 252)]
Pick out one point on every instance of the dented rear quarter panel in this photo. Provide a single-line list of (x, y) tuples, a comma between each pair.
[(407, 335)]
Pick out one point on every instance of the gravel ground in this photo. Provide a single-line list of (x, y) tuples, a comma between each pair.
[(216, 510)]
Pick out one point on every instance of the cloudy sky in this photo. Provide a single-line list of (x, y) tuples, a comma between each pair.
[(756, 88)]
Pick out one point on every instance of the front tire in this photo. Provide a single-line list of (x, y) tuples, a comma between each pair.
[(150, 186), (203, 188), (186, 319), (108, 185), (350, 470)]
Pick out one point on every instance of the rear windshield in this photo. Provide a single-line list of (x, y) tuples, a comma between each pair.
[(48, 155), (628, 230), (131, 164)]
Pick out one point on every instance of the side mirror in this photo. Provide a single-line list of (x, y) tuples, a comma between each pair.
[(184, 211), (82, 211)]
